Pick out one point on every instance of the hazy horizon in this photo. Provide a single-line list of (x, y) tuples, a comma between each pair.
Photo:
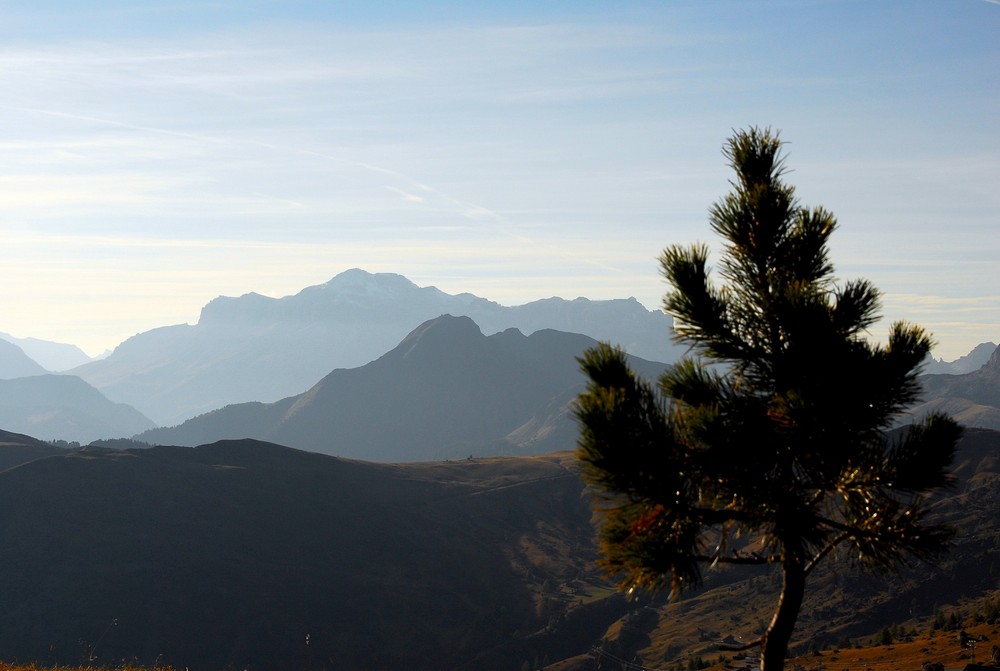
[(159, 155)]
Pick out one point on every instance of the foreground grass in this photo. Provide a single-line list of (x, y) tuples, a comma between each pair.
[(939, 647)]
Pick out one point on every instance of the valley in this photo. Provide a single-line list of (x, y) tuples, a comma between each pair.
[(422, 509)]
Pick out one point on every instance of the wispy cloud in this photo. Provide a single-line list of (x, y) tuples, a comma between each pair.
[(522, 153), (408, 197)]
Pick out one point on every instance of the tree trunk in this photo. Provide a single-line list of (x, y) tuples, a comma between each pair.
[(774, 646)]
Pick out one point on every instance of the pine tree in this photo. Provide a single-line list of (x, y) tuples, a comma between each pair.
[(769, 444)]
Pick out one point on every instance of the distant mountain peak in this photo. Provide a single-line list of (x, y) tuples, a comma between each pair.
[(360, 275), (357, 279), (360, 289), (443, 334), (971, 362)]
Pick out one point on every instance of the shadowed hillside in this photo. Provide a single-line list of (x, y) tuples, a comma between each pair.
[(229, 555), (842, 602), (17, 449), (445, 391)]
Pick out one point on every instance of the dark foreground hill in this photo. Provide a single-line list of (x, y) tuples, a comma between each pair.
[(229, 555), (17, 449), (445, 391), (250, 555)]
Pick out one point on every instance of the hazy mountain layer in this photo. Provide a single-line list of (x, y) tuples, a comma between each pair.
[(969, 363), (65, 407), (973, 399), (445, 391), (52, 356), (255, 348), (15, 363)]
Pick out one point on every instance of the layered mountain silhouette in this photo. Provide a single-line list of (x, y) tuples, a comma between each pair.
[(15, 363), (969, 363), (255, 348), (446, 391), (51, 356), (973, 398), (245, 554), (67, 408)]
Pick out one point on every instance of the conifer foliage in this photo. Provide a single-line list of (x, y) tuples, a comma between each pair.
[(769, 444)]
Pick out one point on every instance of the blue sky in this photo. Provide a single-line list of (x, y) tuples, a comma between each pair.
[(154, 155)]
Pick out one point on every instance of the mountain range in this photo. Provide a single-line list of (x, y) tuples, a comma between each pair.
[(246, 554), (240, 541), (445, 391), (15, 363), (255, 348), (51, 356), (969, 363), (61, 406), (973, 398)]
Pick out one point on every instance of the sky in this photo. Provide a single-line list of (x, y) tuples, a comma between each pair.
[(159, 153)]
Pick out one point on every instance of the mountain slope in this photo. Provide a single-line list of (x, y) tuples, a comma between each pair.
[(246, 554), (229, 555), (445, 391), (973, 399), (17, 449), (52, 356), (255, 348), (842, 602), (67, 408), (969, 363), (15, 363)]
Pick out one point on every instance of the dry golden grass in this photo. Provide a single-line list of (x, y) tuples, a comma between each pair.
[(941, 647)]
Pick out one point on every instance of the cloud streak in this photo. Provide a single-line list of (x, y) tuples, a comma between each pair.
[(519, 153)]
